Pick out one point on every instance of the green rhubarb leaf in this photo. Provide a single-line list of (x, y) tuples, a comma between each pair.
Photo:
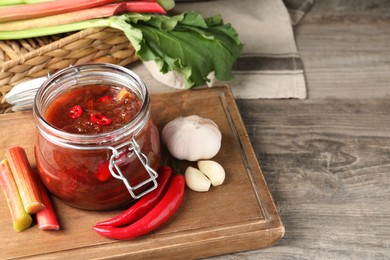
[(186, 43)]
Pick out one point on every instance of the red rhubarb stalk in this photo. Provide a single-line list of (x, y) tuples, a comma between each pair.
[(24, 179), (21, 220), (20, 2), (27, 11), (82, 15), (144, 7), (46, 218)]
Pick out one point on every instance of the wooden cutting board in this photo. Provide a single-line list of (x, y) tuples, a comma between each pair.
[(237, 216)]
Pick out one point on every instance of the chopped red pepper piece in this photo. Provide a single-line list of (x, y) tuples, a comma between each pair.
[(100, 119), (104, 99), (103, 172), (75, 112)]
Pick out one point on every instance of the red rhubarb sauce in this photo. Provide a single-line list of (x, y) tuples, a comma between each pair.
[(80, 177), (83, 110)]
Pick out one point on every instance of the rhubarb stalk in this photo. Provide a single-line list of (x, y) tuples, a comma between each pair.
[(20, 2), (46, 218), (50, 30), (82, 15), (21, 220), (21, 12), (24, 179)]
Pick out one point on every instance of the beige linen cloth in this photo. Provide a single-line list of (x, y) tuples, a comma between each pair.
[(270, 65)]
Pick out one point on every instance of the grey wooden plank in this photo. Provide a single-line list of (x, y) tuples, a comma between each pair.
[(346, 60), (345, 48), (327, 165), (352, 10), (327, 159)]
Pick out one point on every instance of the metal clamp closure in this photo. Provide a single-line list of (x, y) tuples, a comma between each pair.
[(133, 149)]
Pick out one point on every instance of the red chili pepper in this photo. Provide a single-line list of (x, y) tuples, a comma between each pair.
[(145, 204), (104, 99), (168, 205), (75, 112), (100, 119)]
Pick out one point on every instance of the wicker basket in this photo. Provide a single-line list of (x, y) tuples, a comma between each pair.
[(31, 58)]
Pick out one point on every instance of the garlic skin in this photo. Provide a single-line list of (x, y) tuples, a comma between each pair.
[(192, 138), (196, 181), (213, 170)]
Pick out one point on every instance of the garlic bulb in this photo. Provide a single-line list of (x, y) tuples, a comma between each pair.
[(196, 181), (213, 170), (192, 138)]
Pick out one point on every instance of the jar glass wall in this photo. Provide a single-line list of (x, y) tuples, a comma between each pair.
[(71, 165)]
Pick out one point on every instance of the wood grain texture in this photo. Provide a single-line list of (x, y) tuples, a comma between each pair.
[(327, 159), (345, 48), (237, 216), (349, 10), (327, 165)]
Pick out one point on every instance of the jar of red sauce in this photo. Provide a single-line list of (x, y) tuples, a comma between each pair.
[(97, 146)]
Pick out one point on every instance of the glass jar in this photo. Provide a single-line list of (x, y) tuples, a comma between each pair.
[(67, 163)]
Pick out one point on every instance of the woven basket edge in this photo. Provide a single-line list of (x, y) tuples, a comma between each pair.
[(49, 47), (43, 50)]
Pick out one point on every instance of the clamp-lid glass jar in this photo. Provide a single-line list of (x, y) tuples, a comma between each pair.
[(96, 159)]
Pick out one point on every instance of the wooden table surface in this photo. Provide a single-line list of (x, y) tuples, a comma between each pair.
[(327, 159)]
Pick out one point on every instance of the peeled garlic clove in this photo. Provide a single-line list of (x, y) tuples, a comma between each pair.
[(213, 170), (195, 180), (192, 138)]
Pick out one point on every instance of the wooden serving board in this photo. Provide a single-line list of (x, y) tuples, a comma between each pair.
[(237, 216)]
